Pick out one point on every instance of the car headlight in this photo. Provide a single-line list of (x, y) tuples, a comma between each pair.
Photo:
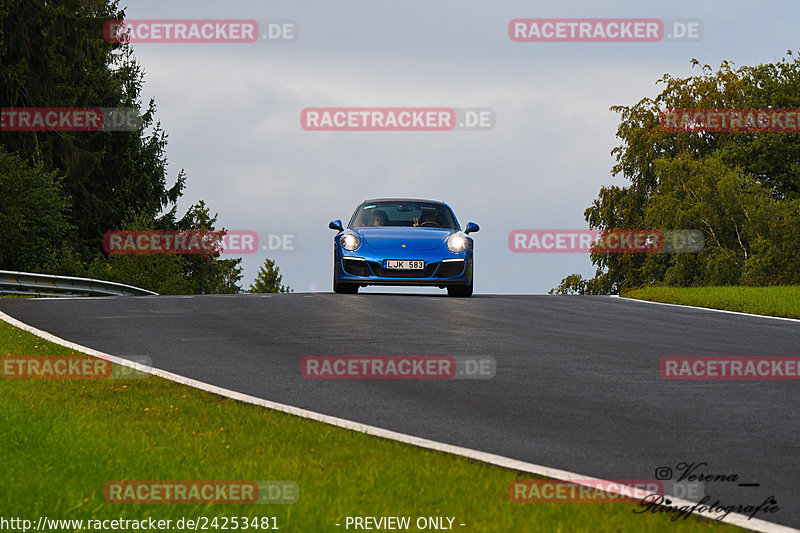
[(350, 241), (457, 242)]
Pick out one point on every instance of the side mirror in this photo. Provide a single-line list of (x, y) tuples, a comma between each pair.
[(336, 224), (472, 227)]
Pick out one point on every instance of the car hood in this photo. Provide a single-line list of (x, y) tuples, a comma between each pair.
[(393, 238)]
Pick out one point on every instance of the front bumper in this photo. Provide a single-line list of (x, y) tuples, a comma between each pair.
[(369, 271)]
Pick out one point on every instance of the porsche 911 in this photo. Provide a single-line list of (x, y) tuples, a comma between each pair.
[(403, 242)]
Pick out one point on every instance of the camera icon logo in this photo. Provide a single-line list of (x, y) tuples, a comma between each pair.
[(663, 473)]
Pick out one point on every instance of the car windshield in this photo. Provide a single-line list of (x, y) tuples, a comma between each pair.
[(408, 214)]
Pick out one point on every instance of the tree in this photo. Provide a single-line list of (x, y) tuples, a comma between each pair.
[(268, 279), (173, 273), (740, 188), (54, 55), (33, 214), (207, 273), (572, 284), (161, 273)]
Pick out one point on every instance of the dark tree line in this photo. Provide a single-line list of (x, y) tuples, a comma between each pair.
[(60, 191)]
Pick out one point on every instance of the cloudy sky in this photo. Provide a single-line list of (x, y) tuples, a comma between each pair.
[(232, 112)]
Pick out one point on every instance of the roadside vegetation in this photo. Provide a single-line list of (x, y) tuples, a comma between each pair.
[(772, 301)]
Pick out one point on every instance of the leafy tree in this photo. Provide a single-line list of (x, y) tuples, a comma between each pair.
[(161, 273), (33, 214), (172, 273), (268, 279), (740, 188), (207, 274), (572, 284)]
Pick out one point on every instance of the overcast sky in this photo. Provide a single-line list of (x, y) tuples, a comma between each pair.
[(232, 112)]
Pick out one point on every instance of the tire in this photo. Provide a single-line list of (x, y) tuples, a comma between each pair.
[(460, 291), (344, 288)]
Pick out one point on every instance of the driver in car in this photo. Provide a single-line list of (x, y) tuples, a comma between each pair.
[(379, 218), (428, 215)]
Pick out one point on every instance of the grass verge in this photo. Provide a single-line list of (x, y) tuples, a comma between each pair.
[(783, 301), (63, 440)]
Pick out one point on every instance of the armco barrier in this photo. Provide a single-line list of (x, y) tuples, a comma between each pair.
[(49, 285)]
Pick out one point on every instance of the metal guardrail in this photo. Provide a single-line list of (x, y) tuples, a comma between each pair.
[(26, 283)]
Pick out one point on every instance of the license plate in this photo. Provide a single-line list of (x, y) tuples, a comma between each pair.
[(404, 265)]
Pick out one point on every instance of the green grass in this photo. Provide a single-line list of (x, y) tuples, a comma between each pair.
[(774, 301), (62, 440)]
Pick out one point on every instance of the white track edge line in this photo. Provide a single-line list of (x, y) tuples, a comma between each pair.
[(705, 308), (740, 520)]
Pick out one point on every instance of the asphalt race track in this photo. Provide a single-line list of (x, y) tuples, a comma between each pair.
[(577, 385)]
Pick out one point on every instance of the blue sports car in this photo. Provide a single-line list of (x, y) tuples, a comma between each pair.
[(403, 242)]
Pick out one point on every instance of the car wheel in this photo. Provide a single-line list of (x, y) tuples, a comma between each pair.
[(345, 288), (460, 291)]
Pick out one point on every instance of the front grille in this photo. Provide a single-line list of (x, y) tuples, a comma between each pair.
[(391, 273), (376, 267), (449, 269), (430, 268), (355, 267)]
